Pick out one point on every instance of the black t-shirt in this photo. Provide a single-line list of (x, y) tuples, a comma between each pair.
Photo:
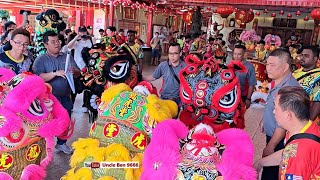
[(18, 66)]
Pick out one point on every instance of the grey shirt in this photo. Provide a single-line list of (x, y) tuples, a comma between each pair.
[(247, 79), (46, 64), (170, 87), (269, 121)]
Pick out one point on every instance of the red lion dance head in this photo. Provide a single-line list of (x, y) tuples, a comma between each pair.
[(210, 93)]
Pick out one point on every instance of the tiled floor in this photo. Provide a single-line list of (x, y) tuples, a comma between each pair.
[(60, 164)]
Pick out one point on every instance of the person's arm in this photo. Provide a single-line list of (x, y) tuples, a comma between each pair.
[(315, 110), (156, 74), (277, 136), (149, 78), (248, 100), (273, 159), (49, 76), (72, 42)]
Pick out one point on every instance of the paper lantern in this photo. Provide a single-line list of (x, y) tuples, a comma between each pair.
[(298, 13), (273, 15), (187, 17), (289, 15), (225, 11), (306, 18), (257, 13), (281, 12), (315, 14), (243, 16), (265, 11)]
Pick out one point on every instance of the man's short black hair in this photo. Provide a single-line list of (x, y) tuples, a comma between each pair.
[(240, 45), (121, 30), (262, 42), (283, 54), (4, 18), (67, 31), (132, 31), (47, 34), (101, 30), (195, 35), (188, 36), (20, 31), (112, 28), (220, 35), (211, 39), (314, 49), (175, 44), (7, 24), (156, 33)]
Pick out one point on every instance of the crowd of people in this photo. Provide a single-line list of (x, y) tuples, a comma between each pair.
[(292, 107)]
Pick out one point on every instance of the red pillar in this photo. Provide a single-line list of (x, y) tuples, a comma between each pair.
[(19, 17), (89, 17), (111, 13), (79, 19), (149, 35)]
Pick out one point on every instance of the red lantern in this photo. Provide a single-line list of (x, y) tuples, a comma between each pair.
[(298, 13), (257, 13), (315, 14), (273, 15), (209, 9), (215, 11), (306, 18), (243, 16), (225, 11), (187, 17), (289, 15), (281, 12), (265, 11)]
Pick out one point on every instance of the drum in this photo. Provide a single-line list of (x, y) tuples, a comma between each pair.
[(260, 68)]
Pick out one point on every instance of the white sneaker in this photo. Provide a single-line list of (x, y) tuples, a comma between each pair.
[(84, 109), (64, 148)]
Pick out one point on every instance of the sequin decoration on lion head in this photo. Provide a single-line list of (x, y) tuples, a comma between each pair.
[(176, 153), (30, 118), (121, 132), (210, 93)]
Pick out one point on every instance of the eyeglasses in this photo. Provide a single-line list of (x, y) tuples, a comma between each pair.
[(21, 44), (56, 42), (173, 53)]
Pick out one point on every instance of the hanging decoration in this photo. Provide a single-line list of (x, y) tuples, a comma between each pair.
[(273, 15), (257, 13), (225, 11), (265, 11), (315, 14), (187, 17), (244, 16), (281, 12), (306, 18), (289, 15), (298, 13)]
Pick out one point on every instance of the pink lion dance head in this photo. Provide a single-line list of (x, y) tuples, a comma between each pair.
[(272, 42), (175, 153), (30, 118)]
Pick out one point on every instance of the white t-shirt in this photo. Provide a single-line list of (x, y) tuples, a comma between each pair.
[(78, 46)]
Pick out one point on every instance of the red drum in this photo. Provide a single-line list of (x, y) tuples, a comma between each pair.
[(260, 68)]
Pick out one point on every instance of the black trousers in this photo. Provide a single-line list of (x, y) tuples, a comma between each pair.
[(272, 172)]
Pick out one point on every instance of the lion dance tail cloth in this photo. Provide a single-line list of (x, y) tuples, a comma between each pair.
[(30, 118), (126, 119), (176, 153), (210, 93)]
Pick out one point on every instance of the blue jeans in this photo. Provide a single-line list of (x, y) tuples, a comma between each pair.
[(66, 102)]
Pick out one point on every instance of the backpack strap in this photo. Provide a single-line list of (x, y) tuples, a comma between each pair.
[(174, 74), (303, 136)]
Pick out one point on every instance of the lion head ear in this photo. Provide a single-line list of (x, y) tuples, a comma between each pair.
[(6, 74), (237, 66)]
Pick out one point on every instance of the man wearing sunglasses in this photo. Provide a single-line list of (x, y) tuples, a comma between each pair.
[(15, 59)]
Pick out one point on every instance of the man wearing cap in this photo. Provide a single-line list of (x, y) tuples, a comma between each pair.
[(90, 32), (81, 41)]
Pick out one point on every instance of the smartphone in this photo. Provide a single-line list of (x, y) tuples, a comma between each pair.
[(22, 11)]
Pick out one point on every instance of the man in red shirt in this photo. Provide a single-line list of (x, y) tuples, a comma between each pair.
[(300, 157)]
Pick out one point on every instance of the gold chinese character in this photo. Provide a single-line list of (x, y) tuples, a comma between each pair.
[(3, 161), (138, 141), (133, 96), (123, 111), (111, 128), (128, 103), (33, 152)]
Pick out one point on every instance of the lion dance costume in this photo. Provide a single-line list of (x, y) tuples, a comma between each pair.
[(49, 20), (200, 154), (29, 122), (121, 132), (210, 93)]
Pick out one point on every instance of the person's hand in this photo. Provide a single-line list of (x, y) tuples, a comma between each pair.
[(248, 103), (267, 151), (258, 166), (75, 72), (78, 37), (60, 73)]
